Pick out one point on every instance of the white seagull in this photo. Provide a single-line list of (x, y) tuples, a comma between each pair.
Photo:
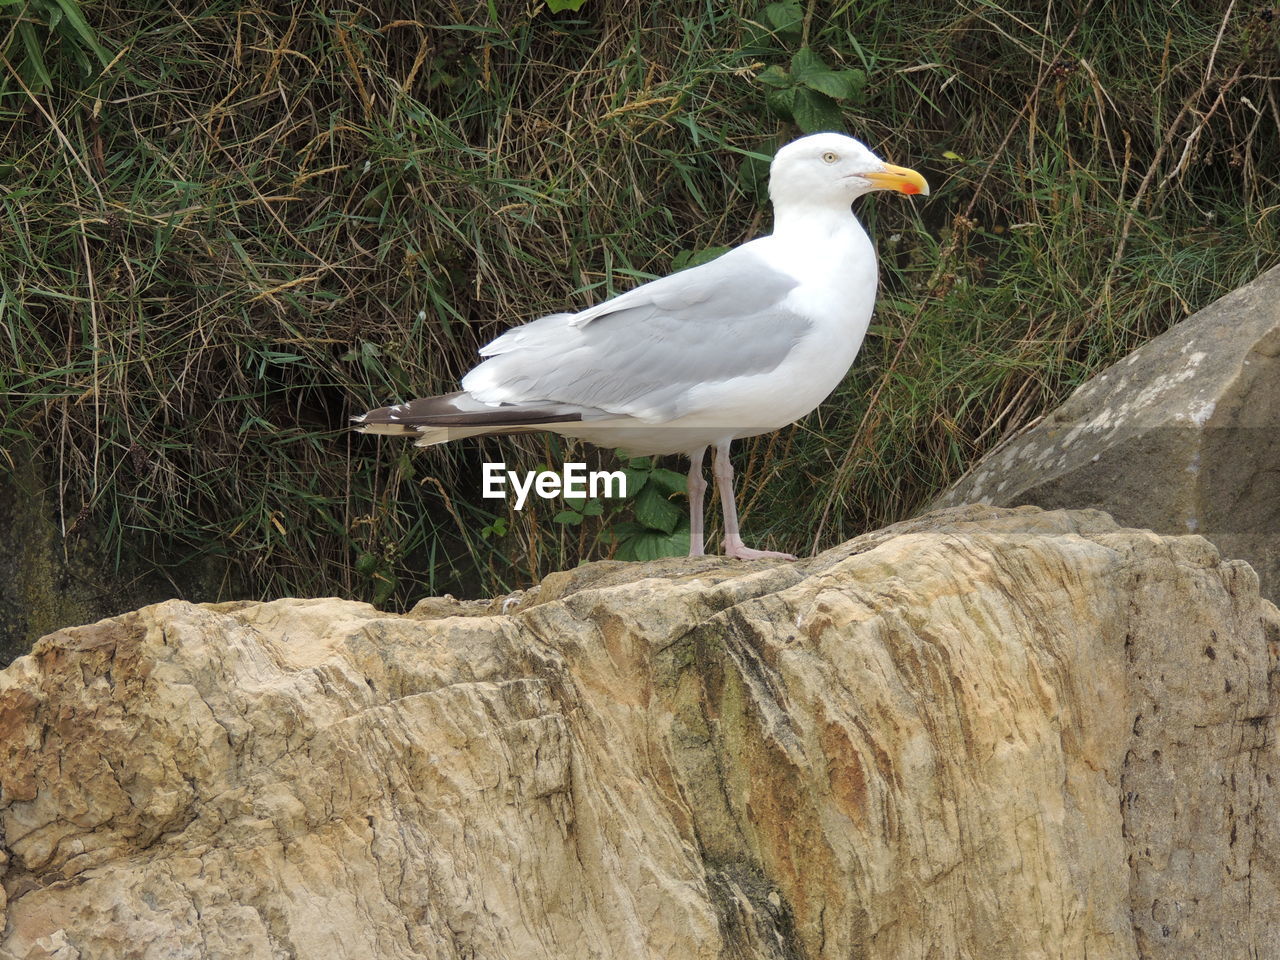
[(738, 346)]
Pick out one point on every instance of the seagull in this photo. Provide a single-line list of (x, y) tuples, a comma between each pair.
[(738, 346)]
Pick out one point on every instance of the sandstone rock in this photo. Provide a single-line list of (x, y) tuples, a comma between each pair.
[(984, 733), (1181, 436)]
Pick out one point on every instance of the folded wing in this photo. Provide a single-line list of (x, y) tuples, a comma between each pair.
[(641, 353)]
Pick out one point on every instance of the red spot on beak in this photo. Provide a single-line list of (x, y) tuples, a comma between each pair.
[(910, 189)]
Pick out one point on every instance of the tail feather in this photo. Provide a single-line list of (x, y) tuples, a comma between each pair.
[(451, 416)]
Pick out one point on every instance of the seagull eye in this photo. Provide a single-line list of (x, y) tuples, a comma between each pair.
[(830, 157)]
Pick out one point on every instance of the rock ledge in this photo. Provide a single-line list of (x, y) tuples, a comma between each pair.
[(983, 733)]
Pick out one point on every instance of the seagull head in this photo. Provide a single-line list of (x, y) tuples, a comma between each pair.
[(832, 169)]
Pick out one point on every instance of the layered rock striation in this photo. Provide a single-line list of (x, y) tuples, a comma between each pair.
[(983, 733)]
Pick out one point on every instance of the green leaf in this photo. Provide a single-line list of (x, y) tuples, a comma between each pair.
[(622, 531), (569, 517), (636, 480), (37, 74), (805, 63), (592, 508), (496, 529), (677, 545), (786, 17), (71, 10), (655, 511), (385, 588), (576, 503), (559, 6), (840, 84), (782, 102), (811, 70), (693, 258), (777, 78), (652, 545), (668, 481), (815, 111)]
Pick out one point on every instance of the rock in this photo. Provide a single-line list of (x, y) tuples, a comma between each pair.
[(983, 733), (1181, 436)]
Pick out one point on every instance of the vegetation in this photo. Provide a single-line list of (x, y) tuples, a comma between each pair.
[(224, 231)]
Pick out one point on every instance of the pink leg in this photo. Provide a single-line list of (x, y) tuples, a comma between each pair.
[(723, 472), (697, 487)]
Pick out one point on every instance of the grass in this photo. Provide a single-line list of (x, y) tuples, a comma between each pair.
[(251, 224)]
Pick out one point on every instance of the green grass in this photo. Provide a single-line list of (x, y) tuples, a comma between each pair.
[(253, 224)]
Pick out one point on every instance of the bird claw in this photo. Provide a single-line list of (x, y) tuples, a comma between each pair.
[(739, 552)]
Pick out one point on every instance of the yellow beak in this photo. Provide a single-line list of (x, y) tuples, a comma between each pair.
[(900, 179)]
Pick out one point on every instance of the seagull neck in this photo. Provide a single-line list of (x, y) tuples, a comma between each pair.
[(802, 221)]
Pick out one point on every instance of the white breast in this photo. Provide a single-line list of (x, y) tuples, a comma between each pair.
[(837, 274)]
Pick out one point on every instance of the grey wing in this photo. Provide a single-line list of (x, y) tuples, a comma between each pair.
[(640, 353)]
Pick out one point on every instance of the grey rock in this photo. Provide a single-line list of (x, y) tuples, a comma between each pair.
[(1181, 436)]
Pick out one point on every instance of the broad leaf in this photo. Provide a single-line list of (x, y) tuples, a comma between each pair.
[(815, 111), (668, 481), (805, 63), (776, 77), (655, 511), (652, 545), (636, 479), (786, 17), (840, 84), (782, 102), (622, 530)]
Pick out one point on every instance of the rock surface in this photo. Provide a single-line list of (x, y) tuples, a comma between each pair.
[(983, 733), (1181, 436)]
